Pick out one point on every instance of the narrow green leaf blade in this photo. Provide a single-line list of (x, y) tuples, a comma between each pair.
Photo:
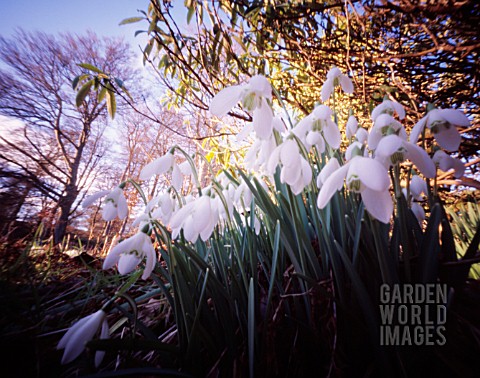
[(83, 92)]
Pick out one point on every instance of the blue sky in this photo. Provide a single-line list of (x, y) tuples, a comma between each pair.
[(76, 16)]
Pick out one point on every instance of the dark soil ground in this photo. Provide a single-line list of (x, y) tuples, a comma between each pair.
[(40, 295)]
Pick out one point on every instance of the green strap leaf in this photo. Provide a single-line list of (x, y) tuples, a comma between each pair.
[(90, 67), (111, 104), (83, 92), (131, 20)]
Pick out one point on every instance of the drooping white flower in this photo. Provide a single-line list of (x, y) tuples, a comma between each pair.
[(295, 170), (442, 123), (361, 135), (158, 166), (355, 149), (418, 187), (327, 170), (197, 218), (418, 211), (318, 128), (80, 333), (445, 162), (243, 195), (365, 176), (392, 150), (164, 164), (385, 125), (130, 252), (114, 203), (166, 206), (104, 334), (388, 107), (352, 126), (258, 154), (336, 77), (254, 96)]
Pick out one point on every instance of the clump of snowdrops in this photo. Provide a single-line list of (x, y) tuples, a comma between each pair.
[(298, 203)]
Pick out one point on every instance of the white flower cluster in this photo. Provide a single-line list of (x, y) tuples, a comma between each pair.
[(275, 148), (365, 170)]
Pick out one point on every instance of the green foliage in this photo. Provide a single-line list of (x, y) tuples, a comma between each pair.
[(106, 86)]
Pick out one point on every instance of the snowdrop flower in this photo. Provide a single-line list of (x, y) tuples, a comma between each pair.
[(392, 150), (254, 96), (365, 176), (130, 252), (158, 166), (196, 218), (442, 123), (334, 78), (418, 186), (318, 127), (352, 126), (418, 211), (243, 195), (295, 171), (115, 203), (445, 162), (355, 149), (258, 154), (327, 170), (80, 333), (165, 207), (361, 135), (388, 107), (163, 165), (385, 125)]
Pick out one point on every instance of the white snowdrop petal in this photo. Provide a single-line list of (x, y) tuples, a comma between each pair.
[(127, 263), (91, 199), (346, 84), (262, 120), (449, 139), (332, 134), (246, 130), (399, 109), (327, 90), (332, 184), (109, 211), (417, 187), (328, 169), (418, 211), (370, 172), (417, 130), (177, 178), (322, 112), (151, 259), (361, 135), (66, 337), (314, 138), (104, 334), (225, 100), (306, 172), (455, 117), (388, 145), (421, 159), (202, 213), (122, 207), (76, 344), (290, 174), (290, 153), (378, 203), (352, 126)]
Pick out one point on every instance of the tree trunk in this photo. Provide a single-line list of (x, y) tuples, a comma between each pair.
[(65, 205)]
